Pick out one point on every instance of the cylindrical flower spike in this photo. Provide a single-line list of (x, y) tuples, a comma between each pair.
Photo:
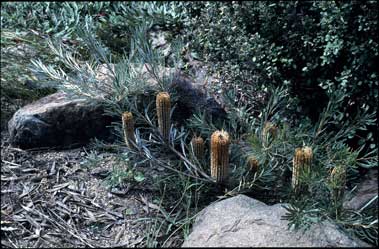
[(163, 105), (128, 127), (338, 182), (220, 142), (253, 164), (198, 147), (269, 129), (308, 157), (297, 164), (302, 162)]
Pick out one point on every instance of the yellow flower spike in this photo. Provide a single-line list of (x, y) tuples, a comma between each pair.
[(253, 164), (198, 147), (163, 105), (128, 127), (220, 142), (269, 129), (302, 162), (338, 182)]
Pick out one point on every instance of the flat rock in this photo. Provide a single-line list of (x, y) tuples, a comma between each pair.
[(57, 120), (241, 221)]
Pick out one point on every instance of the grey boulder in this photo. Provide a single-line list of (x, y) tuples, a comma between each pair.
[(241, 221), (192, 97), (57, 120), (365, 192)]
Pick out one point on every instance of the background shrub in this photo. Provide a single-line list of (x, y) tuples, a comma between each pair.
[(310, 47)]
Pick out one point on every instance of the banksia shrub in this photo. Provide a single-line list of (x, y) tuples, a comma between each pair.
[(163, 112), (302, 161), (253, 164), (338, 182), (198, 147), (128, 127), (220, 156)]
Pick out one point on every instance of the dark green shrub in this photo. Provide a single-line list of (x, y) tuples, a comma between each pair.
[(310, 47)]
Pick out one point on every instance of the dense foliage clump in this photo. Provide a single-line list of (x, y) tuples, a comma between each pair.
[(310, 47)]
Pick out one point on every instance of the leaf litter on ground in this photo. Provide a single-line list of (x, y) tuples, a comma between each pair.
[(50, 199)]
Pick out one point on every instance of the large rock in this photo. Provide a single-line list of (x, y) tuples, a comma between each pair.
[(366, 191), (245, 222), (57, 120), (192, 96)]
